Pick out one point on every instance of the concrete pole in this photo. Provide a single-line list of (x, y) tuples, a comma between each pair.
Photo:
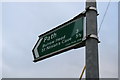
[(92, 63)]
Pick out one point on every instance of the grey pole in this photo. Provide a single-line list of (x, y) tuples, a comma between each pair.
[(92, 63)]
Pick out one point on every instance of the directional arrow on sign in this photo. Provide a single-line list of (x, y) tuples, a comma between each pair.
[(60, 39)]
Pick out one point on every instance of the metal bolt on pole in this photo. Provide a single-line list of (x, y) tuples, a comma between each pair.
[(92, 63)]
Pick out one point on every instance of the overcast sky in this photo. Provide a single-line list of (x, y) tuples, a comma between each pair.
[(24, 22), (0, 40)]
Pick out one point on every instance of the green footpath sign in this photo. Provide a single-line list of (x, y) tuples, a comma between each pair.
[(65, 37)]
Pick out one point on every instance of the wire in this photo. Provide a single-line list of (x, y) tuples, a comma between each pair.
[(82, 72), (104, 16)]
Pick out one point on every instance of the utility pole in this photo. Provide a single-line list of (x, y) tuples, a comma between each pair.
[(92, 62)]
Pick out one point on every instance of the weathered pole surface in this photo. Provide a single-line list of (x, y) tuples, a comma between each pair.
[(92, 62)]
